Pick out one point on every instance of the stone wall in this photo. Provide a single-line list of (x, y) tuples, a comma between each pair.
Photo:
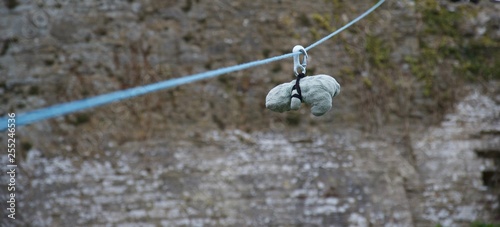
[(411, 141), (232, 178)]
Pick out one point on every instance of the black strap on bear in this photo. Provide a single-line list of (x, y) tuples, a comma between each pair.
[(297, 87)]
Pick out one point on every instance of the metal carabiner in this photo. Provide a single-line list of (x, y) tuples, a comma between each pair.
[(296, 59)]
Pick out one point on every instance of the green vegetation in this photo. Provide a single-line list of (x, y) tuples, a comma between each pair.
[(448, 54), (188, 6), (483, 224), (378, 50), (478, 224), (11, 4), (26, 146), (34, 90), (423, 68), (323, 21), (78, 119), (443, 44), (478, 59), (438, 20)]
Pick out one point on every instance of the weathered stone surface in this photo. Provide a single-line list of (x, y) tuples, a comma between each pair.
[(208, 153), (235, 178)]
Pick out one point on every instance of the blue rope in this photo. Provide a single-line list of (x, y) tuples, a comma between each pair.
[(70, 107), (345, 26)]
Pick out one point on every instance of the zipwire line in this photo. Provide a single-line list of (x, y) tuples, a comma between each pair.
[(99, 100)]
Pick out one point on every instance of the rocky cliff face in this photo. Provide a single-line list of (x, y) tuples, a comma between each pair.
[(412, 139)]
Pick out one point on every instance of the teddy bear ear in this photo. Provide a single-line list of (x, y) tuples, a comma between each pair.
[(278, 99)]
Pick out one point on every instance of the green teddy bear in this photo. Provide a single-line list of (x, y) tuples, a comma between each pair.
[(317, 91)]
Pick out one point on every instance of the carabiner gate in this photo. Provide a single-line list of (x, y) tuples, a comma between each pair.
[(296, 59)]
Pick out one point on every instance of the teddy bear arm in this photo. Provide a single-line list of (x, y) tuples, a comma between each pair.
[(278, 99)]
